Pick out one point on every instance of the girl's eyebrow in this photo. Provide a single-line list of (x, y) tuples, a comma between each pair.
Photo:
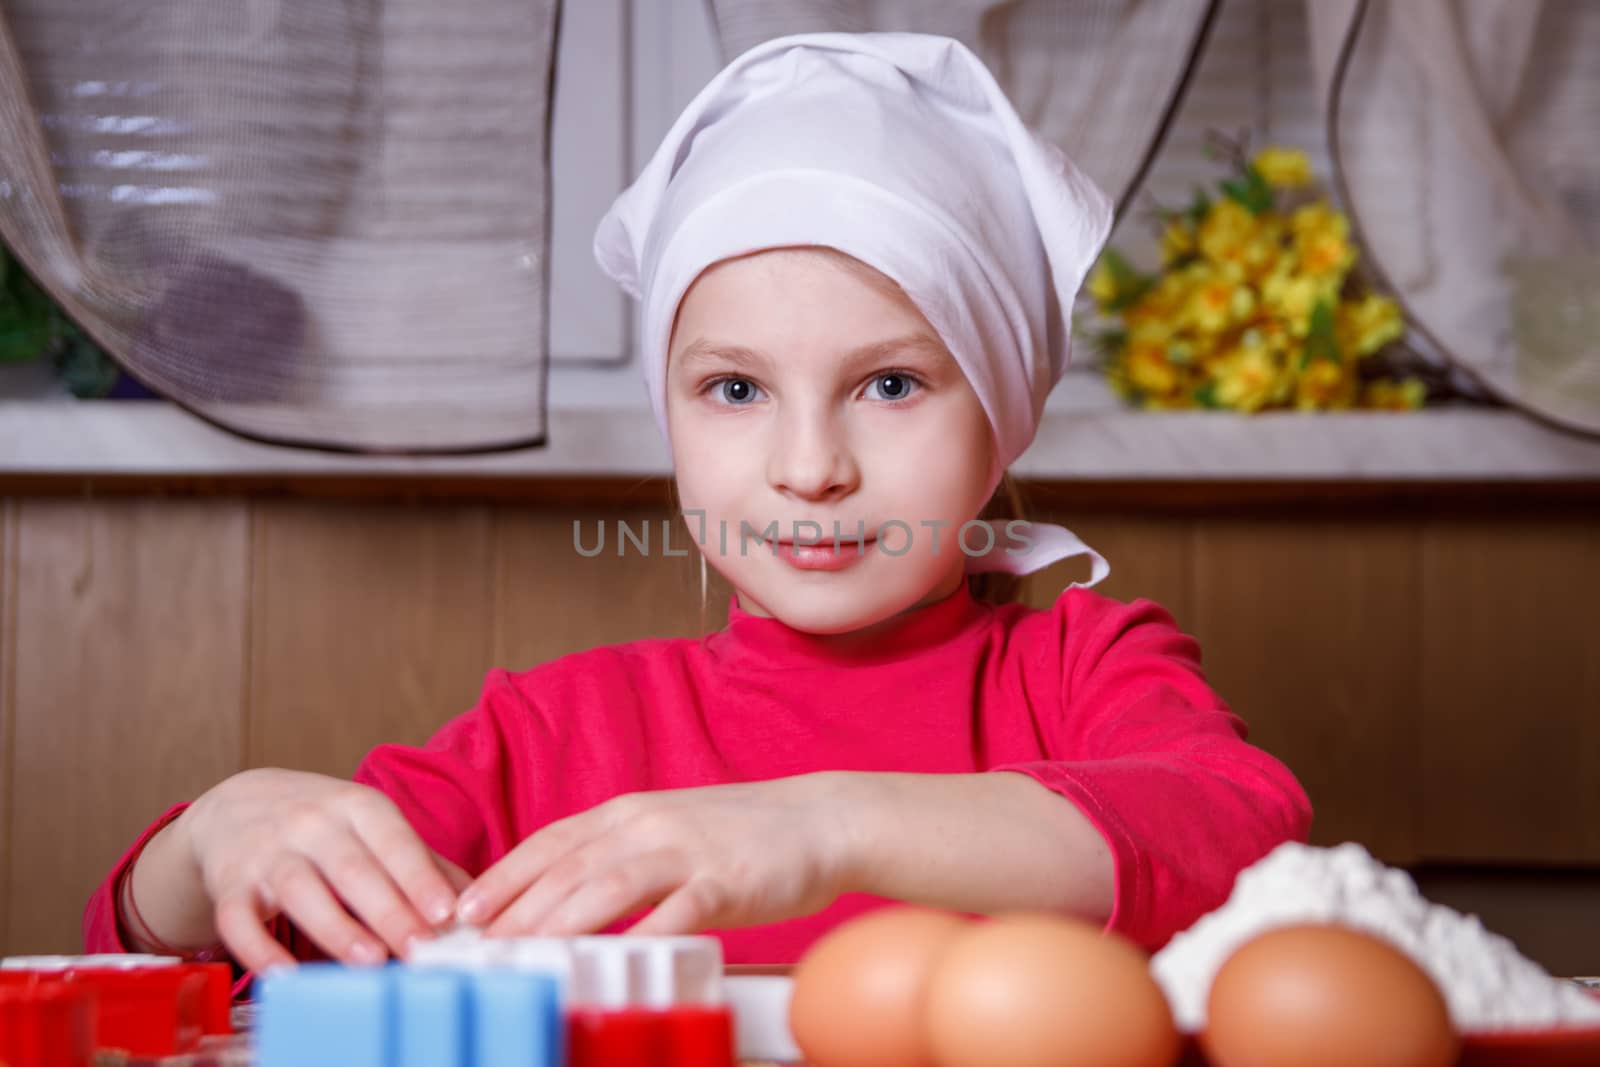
[(909, 344), (703, 351), (745, 358)]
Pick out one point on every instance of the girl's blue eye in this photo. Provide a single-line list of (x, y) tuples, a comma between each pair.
[(737, 391), (895, 386)]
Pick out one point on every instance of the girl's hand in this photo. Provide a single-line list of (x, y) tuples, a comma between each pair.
[(713, 857), (336, 858)]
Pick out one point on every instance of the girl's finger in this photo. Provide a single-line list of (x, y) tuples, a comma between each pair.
[(525, 914), (360, 881), (613, 893), (694, 906), (241, 921), (305, 898), (458, 878), (408, 863), (529, 864)]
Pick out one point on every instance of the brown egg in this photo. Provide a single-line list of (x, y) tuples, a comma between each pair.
[(1045, 991), (1325, 996), (858, 992)]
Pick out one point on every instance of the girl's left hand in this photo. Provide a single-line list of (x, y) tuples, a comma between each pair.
[(707, 858)]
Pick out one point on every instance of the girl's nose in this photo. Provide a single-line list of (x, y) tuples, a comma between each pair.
[(811, 459)]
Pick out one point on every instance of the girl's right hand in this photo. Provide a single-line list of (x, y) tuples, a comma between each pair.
[(336, 858)]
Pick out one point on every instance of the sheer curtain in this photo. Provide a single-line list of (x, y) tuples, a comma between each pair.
[(321, 222), (1465, 146)]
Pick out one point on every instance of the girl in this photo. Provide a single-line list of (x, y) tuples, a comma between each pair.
[(855, 268)]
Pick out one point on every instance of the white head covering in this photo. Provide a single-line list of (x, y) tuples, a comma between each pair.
[(898, 149)]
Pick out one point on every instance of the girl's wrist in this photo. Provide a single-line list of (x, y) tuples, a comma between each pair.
[(165, 847), (976, 842), (851, 841), (181, 842)]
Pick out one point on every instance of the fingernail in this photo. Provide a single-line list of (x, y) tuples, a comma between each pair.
[(440, 909), (469, 908), (367, 952)]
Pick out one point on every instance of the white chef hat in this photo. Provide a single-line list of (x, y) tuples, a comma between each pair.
[(900, 150)]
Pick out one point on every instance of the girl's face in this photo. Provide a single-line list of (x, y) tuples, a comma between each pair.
[(805, 390)]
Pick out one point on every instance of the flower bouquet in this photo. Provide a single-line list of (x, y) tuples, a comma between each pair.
[(1255, 307)]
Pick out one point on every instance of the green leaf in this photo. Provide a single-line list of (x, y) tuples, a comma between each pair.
[(1253, 191), (1132, 284), (13, 280), (1206, 396), (1107, 344), (27, 317), (1196, 211), (1322, 341), (1118, 266), (23, 340), (31, 297), (87, 371), (26, 328)]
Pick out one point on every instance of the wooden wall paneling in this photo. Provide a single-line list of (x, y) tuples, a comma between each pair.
[(1150, 557), (8, 631), (551, 599), (1549, 914), (1511, 691), (1311, 632), (129, 651), (369, 623)]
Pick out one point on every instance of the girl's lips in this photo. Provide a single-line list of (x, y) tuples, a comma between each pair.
[(822, 556)]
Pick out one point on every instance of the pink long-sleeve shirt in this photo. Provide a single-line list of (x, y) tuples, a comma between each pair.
[(1102, 702)]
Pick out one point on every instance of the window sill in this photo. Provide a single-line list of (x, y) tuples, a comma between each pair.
[(153, 439)]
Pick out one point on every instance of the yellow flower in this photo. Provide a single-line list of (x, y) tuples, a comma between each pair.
[(1292, 297), (1260, 254), (1148, 329), (1267, 332), (1103, 285), (1224, 231), (1246, 311), (1316, 216), (1366, 325), (1286, 168), (1407, 395), (1248, 379), (1325, 384), (1177, 242), (1168, 296), (1238, 244), (1217, 304), (1149, 370), (1321, 240), (1187, 350)]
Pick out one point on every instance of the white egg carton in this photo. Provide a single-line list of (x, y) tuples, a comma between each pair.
[(602, 971)]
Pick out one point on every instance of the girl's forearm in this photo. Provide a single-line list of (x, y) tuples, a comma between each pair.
[(171, 898), (980, 843)]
